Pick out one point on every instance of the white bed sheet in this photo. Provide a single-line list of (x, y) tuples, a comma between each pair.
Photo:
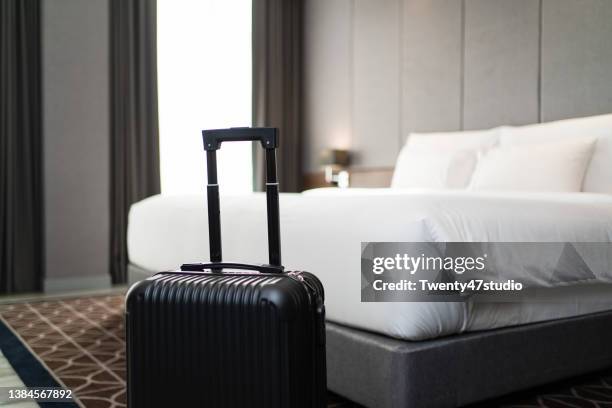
[(322, 231)]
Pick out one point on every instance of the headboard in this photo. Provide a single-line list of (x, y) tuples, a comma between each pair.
[(376, 71)]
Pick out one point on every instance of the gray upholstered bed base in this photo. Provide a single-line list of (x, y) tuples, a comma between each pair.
[(381, 372)]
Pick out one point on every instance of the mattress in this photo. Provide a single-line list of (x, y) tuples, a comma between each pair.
[(322, 231)]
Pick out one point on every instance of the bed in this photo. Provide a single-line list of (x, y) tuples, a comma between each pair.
[(411, 354)]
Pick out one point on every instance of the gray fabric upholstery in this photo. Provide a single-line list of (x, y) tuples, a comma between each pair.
[(382, 372)]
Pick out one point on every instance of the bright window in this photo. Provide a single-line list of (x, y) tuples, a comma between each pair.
[(204, 80)]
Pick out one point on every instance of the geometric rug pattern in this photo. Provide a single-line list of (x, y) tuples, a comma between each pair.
[(591, 391), (81, 341)]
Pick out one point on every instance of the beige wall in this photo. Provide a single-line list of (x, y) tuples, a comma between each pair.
[(76, 143)]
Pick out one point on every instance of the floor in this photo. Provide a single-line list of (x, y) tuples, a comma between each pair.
[(10, 379), (80, 339)]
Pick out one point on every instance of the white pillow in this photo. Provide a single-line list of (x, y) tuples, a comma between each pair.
[(437, 169), (558, 166), (480, 140), (441, 159), (598, 177)]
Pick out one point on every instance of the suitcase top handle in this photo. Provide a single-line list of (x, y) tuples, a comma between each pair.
[(268, 137)]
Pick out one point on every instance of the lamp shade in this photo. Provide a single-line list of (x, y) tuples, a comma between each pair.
[(335, 157)]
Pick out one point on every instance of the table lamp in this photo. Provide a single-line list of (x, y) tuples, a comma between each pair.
[(335, 164)]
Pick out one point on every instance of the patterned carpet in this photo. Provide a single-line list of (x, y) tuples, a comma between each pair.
[(81, 341), (589, 391)]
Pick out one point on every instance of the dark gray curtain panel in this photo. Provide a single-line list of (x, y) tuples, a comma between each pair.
[(277, 85), (134, 118), (21, 179)]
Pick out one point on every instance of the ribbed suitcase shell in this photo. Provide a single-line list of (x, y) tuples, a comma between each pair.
[(232, 339)]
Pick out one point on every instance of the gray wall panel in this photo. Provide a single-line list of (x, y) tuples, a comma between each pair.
[(76, 138), (576, 58), (431, 65), (328, 86), (376, 70), (435, 65), (501, 63)]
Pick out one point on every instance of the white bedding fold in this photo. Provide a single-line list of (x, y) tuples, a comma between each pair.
[(322, 231)]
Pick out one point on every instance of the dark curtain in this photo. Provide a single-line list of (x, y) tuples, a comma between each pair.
[(277, 85), (21, 180), (134, 118)]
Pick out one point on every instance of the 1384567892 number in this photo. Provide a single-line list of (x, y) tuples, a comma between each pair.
[(39, 394)]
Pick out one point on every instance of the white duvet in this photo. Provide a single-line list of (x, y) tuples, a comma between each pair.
[(322, 231)]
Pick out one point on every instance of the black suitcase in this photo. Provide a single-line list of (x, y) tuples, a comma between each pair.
[(228, 334)]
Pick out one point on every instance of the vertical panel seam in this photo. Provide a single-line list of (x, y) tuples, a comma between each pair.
[(400, 107), (351, 72), (462, 69), (540, 24)]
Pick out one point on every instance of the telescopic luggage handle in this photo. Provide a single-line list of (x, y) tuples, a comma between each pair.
[(268, 137)]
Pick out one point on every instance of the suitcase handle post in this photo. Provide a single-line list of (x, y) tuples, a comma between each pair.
[(268, 137)]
